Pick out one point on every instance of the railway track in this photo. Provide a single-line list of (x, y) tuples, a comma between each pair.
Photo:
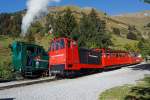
[(21, 83), (14, 84)]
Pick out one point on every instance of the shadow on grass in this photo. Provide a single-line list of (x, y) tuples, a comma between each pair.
[(140, 92)]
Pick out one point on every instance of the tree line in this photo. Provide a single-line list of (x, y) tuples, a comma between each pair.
[(10, 24), (89, 30)]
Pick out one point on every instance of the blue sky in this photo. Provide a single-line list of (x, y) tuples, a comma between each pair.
[(112, 7)]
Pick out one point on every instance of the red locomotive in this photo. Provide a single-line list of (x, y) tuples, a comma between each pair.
[(67, 58)]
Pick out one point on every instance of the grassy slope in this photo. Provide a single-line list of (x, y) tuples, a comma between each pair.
[(120, 42), (117, 93), (4, 50), (138, 19), (5, 58)]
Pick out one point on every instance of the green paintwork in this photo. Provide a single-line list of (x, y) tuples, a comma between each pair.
[(20, 55)]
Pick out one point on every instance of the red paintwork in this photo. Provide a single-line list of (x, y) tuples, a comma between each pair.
[(70, 56)]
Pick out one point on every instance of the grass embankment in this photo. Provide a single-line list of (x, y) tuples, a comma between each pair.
[(5, 58), (120, 42), (140, 91)]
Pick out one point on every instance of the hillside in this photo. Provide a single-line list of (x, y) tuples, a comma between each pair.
[(77, 11), (111, 23), (120, 22), (139, 19)]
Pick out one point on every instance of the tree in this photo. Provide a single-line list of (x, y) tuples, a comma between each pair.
[(30, 38), (131, 36), (144, 46), (65, 25), (132, 33), (92, 31), (116, 31), (36, 28), (131, 47), (12, 25), (132, 28), (148, 25), (50, 22), (16, 23), (86, 30), (69, 22)]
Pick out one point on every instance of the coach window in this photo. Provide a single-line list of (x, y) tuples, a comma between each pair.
[(108, 53), (117, 55), (57, 45), (62, 44), (52, 46), (124, 54), (112, 54)]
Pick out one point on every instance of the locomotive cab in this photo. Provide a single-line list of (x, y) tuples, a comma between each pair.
[(29, 59), (63, 55)]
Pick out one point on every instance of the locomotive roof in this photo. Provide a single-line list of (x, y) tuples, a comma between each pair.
[(27, 43)]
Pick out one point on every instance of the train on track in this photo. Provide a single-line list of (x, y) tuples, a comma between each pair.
[(66, 58), (29, 59)]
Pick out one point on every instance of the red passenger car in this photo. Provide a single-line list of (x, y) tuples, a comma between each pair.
[(67, 58)]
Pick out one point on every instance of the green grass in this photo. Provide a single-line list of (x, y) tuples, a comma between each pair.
[(117, 93), (140, 91), (5, 58), (5, 41), (120, 42), (4, 48)]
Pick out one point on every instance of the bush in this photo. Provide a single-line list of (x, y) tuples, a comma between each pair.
[(131, 36), (116, 31), (6, 71), (140, 91), (144, 46), (148, 25)]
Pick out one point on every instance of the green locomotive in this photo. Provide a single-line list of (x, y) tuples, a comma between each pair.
[(29, 59)]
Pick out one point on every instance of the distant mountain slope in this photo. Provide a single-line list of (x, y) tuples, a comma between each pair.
[(77, 11), (139, 19)]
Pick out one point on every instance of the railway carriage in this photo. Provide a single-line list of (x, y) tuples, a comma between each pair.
[(67, 58)]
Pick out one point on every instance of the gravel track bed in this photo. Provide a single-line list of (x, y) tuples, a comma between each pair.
[(82, 88)]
